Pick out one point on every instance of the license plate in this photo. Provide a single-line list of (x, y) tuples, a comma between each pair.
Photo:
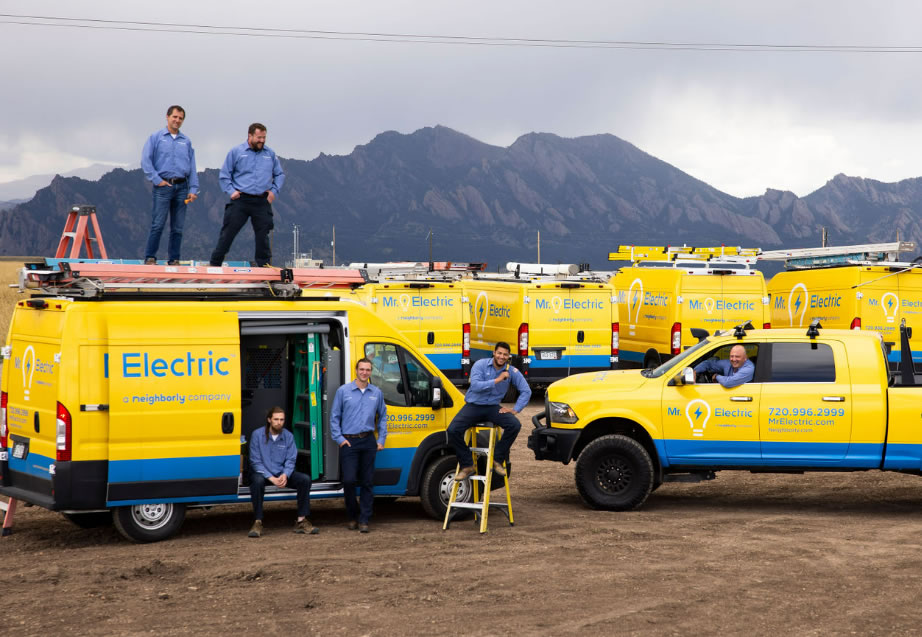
[(549, 355), (19, 450)]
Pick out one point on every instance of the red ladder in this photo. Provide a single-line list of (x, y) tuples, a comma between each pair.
[(77, 233)]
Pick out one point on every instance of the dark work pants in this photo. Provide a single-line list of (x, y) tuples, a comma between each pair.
[(257, 209), (358, 466), (471, 415), (297, 480)]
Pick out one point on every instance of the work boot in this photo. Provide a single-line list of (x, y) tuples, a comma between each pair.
[(363, 528), (498, 468), (172, 262), (305, 526), (353, 525), (150, 261), (464, 473), (256, 530)]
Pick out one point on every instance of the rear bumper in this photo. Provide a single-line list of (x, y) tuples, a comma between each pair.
[(74, 486)]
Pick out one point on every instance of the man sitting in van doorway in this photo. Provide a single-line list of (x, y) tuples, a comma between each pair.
[(272, 459), (490, 378), (729, 373)]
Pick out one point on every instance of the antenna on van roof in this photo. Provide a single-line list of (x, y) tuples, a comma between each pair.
[(740, 330), (814, 330)]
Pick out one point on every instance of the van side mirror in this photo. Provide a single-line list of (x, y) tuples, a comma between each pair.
[(436, 392)]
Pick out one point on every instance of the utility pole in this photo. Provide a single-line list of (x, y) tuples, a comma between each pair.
[(333, 243), (539, 246), (431, 264)]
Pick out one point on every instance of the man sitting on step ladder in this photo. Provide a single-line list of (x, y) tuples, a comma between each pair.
[(490, 378)]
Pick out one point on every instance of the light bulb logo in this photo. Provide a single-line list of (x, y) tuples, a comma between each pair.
[(889, 302), (28, 370), (709, 305), (556, 302), (405, 301), (480, 311), (635, 299), (698, 412), (797, 302)]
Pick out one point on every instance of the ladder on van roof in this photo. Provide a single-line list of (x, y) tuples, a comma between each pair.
[(408, 270), (725, 254), (92, 278), (861, 254)]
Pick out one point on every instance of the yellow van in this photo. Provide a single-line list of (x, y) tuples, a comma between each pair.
[(434, 315), (666, 292), (867, 297), (555, 327), (134, 408)]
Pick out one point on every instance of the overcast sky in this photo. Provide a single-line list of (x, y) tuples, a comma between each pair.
[(742, 121)]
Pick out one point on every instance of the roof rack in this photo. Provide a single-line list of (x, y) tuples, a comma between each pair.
[(93, 279), (408, 270), (725, 254), (829, 256)]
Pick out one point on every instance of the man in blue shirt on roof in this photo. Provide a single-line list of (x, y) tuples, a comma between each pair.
[(272, 459), (252, 176), (729, 373), (357, 407), (168, 161), (490, 378)]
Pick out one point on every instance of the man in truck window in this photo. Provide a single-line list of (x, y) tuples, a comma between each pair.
[(272, 459), (490, 378), (729, 373)]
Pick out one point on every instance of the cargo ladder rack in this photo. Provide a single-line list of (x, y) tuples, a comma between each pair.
[(94, 279), (829, 256), (721, 254), (410, 270)]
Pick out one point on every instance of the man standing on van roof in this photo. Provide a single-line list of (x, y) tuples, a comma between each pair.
[(168, 161), (729, 373), (490, 378), (357, 407), (252, 176), (272, 459)]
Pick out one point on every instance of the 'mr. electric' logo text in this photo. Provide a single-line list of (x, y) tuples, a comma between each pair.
[(143, 365)]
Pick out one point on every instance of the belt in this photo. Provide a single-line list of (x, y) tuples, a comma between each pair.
[(263, 195), (361, 435), (175, 180)]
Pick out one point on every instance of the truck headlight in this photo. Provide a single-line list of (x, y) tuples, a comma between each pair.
[(562, 413)]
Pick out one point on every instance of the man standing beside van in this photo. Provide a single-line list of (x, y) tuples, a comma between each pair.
[(729, 373), (168, 161), (272, 459), (357, 407), (252, 176), (490, 379)]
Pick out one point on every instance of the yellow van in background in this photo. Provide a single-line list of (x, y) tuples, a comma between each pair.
[(555, 327), (668, 291)]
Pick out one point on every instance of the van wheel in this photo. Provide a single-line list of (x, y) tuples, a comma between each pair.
[(614, 472), (149, 522), (92, 520), (651, 360), (435, 490)]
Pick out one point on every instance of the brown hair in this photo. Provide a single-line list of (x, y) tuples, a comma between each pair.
[(255, 126), (176, 107)]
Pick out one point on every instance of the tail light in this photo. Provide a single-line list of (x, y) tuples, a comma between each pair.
[(856, 323), (676, 339), (466, 340), (4, 397), (63, 435), (523, 339), (615, 339), (766, 326)]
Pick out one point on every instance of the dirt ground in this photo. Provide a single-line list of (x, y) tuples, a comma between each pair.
[(743, 554)]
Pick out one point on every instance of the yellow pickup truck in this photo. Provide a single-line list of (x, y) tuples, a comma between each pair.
[(818, 400)]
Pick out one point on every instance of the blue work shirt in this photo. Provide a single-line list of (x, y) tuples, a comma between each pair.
[(483, 390), (252, 172), (166, 158), (273, 457), (726, 376), (354, 412)]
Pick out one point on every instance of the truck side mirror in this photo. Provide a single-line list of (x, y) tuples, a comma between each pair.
[(687, 377)]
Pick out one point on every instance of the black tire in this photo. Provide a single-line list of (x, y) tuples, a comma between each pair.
[(651, 360), (614, 472), (149, 522), (435, 489), (92, 520)]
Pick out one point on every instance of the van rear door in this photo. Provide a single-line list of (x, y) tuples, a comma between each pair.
[(174, 396), (591, 312)]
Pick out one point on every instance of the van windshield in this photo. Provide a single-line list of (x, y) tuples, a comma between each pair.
[(674, 362)]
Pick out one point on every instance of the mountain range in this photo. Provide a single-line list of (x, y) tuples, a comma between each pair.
[(585, 195)]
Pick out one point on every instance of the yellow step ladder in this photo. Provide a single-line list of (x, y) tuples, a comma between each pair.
[(481, 507)]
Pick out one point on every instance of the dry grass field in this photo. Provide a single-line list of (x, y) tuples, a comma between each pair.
[(9, 273)]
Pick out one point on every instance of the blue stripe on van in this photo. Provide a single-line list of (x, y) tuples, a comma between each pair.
[(33, 464), (628, 355), (574, 362), (173, 468), (445, 361), (894, 356), (775, 454), (903, 456)]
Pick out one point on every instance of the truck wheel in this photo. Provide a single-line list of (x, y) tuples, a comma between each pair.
[(651, 360), (435, 490), (614, 472), (149, 522), (92, 520)]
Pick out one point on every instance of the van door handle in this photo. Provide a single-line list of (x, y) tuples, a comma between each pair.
[(35, 422), (227, 423), (741, 399), (430, 338), (580, 336), (834, 399)]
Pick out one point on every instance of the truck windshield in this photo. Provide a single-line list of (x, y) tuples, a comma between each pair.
[(674, 362)]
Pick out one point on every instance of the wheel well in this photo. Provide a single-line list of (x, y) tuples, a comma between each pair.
[(624, 427)]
